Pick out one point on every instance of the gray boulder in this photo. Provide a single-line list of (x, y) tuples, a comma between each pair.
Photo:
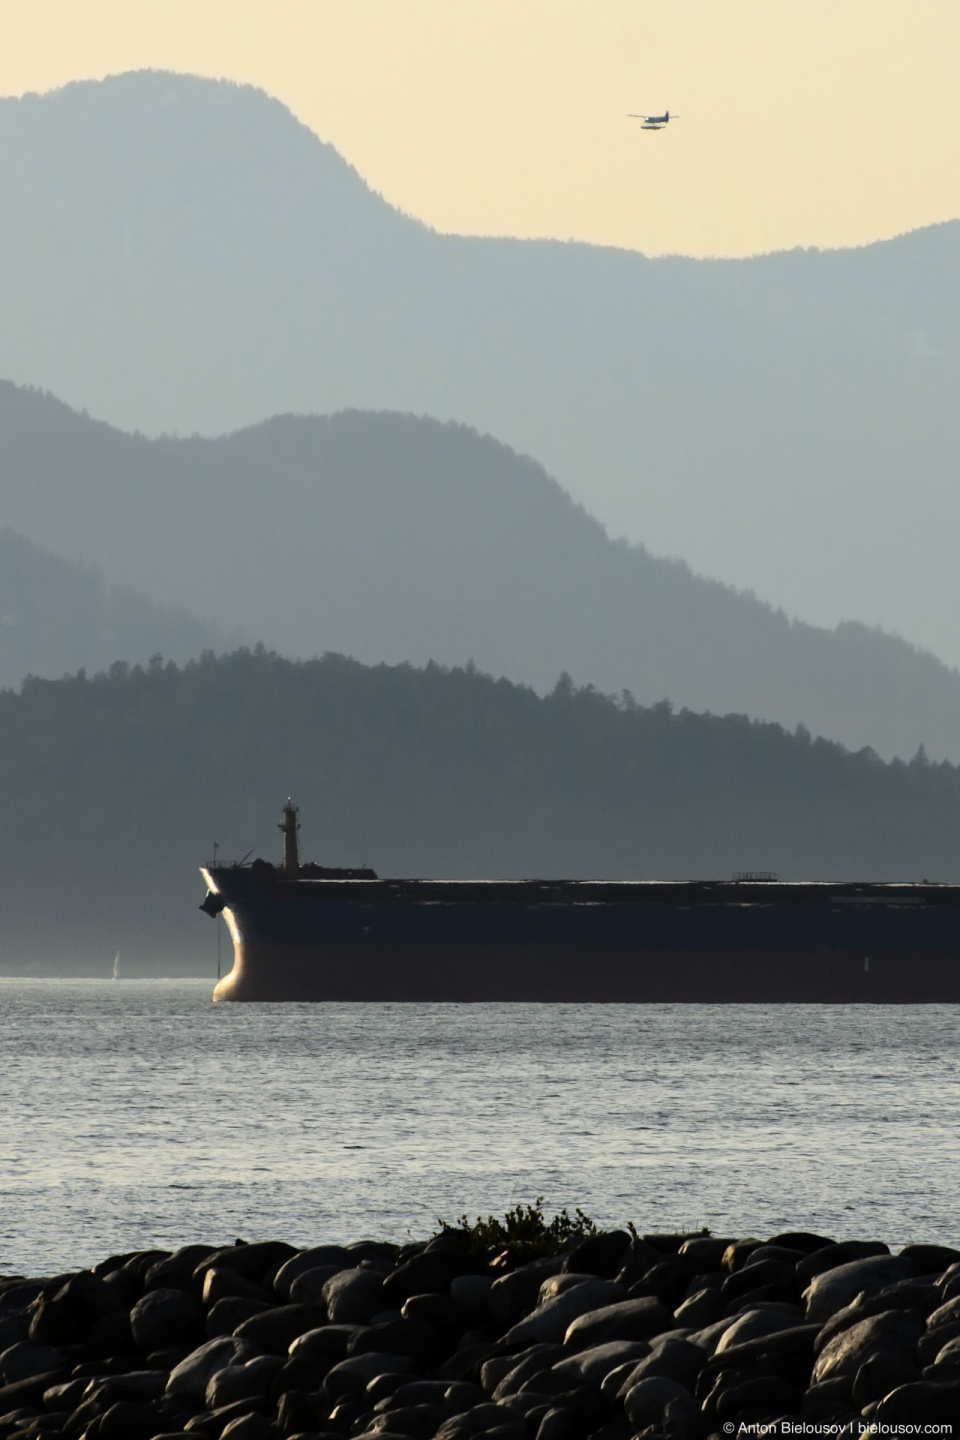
[(65, 1396), (708, 1338), (675, 1359), (477, 1421), (752, 1324), (599, 1254), (591, 1367), (949, 1352), (422, 1342), (557, 1422), (219, 1282), (934, 1342), (512, 1295), (784, 1253), (250, 1427), (139, 1385), (257, 1262), (556, 1285), (419, 1422), (881, 1373), (830, 1257), (126, 1420), (766, 1395), (23, 1360), (626, 1320), (318, 1257), (22, 1393), (702, 1308), (15, 1312), (353, 1296), (949, 1282), (13, 1329), (165, 1318), (519, 1369), (788, 1353), (350, 1377), (705, 1251), (831, 1290), (176, 1271), (241, 1382), (307, 1287), (830, 1400), (904, 1295), (646, 1402), (923, 1401), (420, 1392), (549, 1322), (19, 1296), (735, 1255), (472, 1291), (494, 1370), (930, 1259), (947, 1314), (460, 1396), (189, 1380), (274, 1331), (73, 1311), (614, 1385), (932, 1346), (895, 1333), (231, 1312), (332, 1340)]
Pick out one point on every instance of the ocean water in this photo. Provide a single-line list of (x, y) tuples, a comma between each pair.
[(136, 1113)]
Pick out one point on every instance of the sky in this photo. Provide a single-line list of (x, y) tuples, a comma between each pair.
[(801, 122)]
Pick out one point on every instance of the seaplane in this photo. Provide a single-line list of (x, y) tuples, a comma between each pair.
[(654, 122)]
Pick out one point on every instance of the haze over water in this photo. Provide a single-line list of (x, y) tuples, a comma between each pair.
[(138, 1114)]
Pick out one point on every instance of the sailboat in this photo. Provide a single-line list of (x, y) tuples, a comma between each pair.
[(116, 966)]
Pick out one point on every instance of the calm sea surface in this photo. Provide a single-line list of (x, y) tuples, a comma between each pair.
[(136, 1113)]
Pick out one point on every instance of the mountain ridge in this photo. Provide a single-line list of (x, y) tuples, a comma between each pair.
[(188, 256), (393, 538), (57, 617)]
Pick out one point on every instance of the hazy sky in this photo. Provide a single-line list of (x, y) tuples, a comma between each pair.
[(802, 122)]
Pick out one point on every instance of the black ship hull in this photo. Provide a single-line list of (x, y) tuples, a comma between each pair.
[(319, 939)]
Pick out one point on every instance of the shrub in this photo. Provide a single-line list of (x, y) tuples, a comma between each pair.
[(524, 1231)]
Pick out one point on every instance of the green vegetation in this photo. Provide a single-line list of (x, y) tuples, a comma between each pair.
[(524, 1231), (394, 538), (789, 420), (116, 786)]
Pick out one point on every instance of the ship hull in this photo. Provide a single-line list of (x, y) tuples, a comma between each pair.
[(631, 975), (583, 942)]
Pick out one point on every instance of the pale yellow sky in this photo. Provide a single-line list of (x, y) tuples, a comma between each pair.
[(802, 122)]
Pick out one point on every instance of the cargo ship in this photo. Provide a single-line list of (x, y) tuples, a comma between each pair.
[(304, 932)]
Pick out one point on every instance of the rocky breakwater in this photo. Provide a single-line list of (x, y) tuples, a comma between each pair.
[(609, 1336)]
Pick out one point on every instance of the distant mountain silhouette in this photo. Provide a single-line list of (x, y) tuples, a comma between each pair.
[(181, 254), (56, 616), (391, 538), (427, 771)]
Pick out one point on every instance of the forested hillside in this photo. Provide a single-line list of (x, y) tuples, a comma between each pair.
[(392, 538), (181, 255), (115, 788), (56, 616)]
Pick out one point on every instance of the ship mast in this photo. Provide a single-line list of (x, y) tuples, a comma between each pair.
[(289, 826)]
